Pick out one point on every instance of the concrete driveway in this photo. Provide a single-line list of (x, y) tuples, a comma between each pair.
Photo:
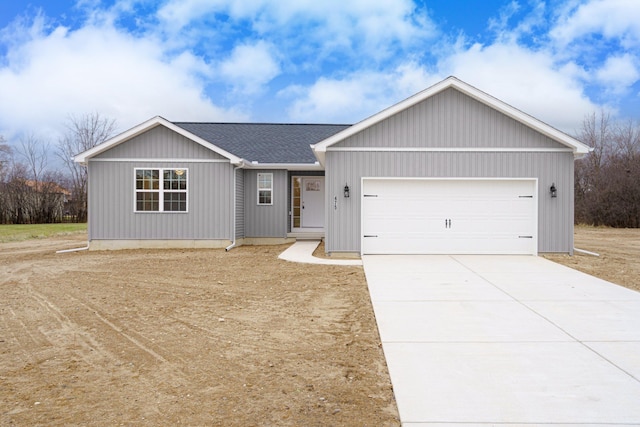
[(505, 340)]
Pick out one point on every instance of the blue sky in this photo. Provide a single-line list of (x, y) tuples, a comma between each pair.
[(309, 61)]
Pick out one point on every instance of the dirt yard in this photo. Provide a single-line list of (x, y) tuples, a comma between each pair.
[(206, 337), (185, 337), (619, 250)]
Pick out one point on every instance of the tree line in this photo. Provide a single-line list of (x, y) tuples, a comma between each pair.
[(607, 180), (33, 193)]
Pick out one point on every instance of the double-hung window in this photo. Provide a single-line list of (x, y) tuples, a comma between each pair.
[(161, 190), (265, 188)]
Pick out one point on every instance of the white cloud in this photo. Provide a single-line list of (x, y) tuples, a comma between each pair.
[(618, 73), (610, 18), (250, 67), (509, 33), (376, 25), (49, 75), (526, 79), (356, 96)]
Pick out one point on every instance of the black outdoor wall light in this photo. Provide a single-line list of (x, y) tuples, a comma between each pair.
[(346, 191), (553, 190)]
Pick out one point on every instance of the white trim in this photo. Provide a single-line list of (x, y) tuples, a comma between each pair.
[(536, 205), (243, 164), (454, 149), (303, 230), (144, 127), (576, 146), (161, 190), (258, 189), (283, 166), (161, 160)]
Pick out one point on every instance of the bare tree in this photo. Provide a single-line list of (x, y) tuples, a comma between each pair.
[(34, 153), (596, 133), (627, 140), (606, 180), (5, 158), (83, 133)]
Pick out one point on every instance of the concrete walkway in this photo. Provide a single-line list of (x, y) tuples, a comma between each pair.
[(302, 251), (506, 340)]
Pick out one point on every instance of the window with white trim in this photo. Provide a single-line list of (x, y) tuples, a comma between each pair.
[(161, 190), (265, 188)]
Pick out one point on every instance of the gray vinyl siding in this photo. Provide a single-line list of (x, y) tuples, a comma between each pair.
[(555, 216), (239, 204), (450, 119), (265, 220), (111, 190), (159, 143), (111, 201)]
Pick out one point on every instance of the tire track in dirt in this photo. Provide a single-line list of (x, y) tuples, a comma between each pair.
[(171, 374), (121, 332), (69, 334), (165, 377), (25, 341), (66, 324)]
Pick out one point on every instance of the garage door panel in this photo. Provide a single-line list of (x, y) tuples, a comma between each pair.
[(449, 216)]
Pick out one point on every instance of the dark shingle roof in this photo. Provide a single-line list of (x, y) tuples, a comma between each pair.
[(265, 142)]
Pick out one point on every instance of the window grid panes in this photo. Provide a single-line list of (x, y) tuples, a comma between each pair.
[(161, 190), (175, 202), (265, 188)]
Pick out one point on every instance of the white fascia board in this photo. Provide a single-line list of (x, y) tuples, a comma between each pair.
[(283, 166), (578, 148), (144, 127)]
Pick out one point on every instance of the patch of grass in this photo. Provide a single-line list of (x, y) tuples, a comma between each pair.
[(20, 232)]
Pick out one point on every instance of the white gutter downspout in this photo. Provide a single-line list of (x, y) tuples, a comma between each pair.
[(235, 195), (582, 251)]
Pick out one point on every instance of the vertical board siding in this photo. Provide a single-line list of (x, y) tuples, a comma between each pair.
[(450, 119), (555, 216), (159, 143), (239, 204), (111, 190), (111, 197), (265, 220)]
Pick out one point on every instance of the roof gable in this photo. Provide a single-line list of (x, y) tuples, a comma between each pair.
[(146, 126), (452, 82)]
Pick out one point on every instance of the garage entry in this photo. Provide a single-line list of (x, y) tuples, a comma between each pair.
[(449, 216)]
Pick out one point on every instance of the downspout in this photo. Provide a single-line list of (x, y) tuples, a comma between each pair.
[(233, 223)]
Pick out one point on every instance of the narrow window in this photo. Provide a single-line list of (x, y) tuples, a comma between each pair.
[(147, 190), (265, 188), (161, 190), (175, 190)]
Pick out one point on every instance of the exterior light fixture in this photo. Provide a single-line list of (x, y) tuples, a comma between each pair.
[(553, 190), (347, 191)]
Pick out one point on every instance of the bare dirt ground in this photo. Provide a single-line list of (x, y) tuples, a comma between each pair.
[(619, 250), (186, 337)]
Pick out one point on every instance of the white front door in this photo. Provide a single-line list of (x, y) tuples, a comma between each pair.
[(312, 202), (307, 202)]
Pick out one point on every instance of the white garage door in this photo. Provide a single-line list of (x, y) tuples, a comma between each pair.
[(449, 216)]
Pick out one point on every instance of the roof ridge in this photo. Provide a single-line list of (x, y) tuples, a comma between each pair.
[(263, 123)]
